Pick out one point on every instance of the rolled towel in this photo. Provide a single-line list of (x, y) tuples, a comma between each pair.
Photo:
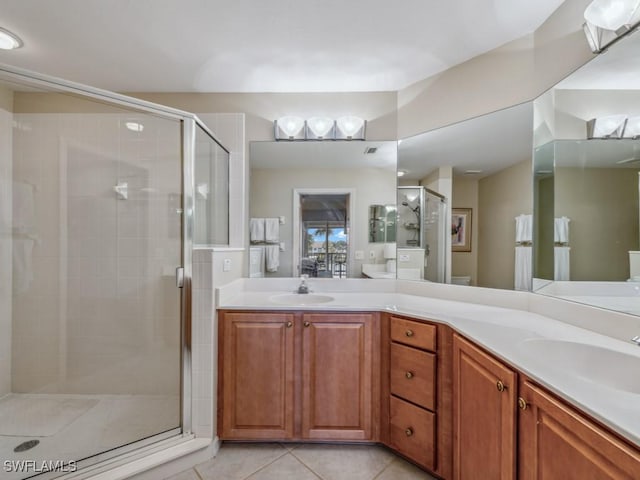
[(272, 257), (256, 230), (272, 230)]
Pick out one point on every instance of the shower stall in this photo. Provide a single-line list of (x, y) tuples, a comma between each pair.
[(421, 234), (96, 233)]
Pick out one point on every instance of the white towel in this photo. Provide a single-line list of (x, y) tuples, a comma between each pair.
[(272, 257), (561, 263), (561, 230), (524, 228), (256, 230), (272, 230), (522, 272)]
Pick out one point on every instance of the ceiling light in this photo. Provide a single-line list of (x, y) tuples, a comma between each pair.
[(402, 173), (319, 128), (472, 172), (134, 126), (8, 40), (611, 126), (632, 130), (350, 128), (611, 14), (289, 128)]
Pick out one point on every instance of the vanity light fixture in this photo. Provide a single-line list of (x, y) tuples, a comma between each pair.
[(350, 128), (320, 128), (289, 128), (402, 173), (611, 126), (632, 130), (9, 40), (606, 21)]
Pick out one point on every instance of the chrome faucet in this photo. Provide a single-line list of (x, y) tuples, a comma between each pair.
[(303, 287), (636, 340)]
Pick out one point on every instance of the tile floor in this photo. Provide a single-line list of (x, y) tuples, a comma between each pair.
[(273, 461)]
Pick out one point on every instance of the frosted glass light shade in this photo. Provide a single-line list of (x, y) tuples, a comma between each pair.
[(320, 127), (632, 130), (611, 126), (611, 14), (350, 127), (8, 40), (289, 127)]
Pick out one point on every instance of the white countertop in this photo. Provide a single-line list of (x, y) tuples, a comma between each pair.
[(506, 332)]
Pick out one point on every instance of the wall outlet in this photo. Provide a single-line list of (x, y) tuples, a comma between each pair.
[(226, 265), (403, 257), (372, 254), (359, 255)]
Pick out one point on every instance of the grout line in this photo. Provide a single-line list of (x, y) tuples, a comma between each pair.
[(197, 473), (306, 466), (285, 452), (384, 469)]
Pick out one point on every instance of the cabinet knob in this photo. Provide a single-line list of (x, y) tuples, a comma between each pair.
[(408, 432), (522, 403), (409, 333), (289, 324), (500, 386), (306, 324), (409, 375)]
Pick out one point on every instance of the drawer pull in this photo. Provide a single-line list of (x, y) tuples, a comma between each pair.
[(289, 324), (409, 333), (500, 386), (522, 403), (409, 375), (306, 324), (408, 432)]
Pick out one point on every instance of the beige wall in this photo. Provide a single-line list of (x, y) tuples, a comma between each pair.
[(6, 215), (272, 196), (465, 195), (514, 73), (501, 198), (544, 230), (602, 204)]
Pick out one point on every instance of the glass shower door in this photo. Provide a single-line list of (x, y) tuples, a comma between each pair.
[(435, 230)]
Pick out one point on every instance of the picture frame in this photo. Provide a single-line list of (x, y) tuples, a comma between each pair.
[(461, 225)]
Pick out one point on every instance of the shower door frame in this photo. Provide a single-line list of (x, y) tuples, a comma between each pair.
[(188, 123)]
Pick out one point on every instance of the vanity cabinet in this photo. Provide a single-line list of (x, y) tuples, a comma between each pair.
[(484, 415), (287, 376), (419, 424), (555, 441)]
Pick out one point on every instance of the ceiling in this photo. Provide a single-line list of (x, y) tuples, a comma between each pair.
[(488, 143), (323, 154), (255, 46)]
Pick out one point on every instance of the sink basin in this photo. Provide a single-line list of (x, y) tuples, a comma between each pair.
[(300, 299), (596, 364)]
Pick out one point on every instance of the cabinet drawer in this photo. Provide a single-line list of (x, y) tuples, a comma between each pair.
[(413, 375), (412, 432), (416, 334)]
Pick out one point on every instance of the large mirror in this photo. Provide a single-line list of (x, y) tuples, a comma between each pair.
[(312, 205), (587, 185), (463, 190)]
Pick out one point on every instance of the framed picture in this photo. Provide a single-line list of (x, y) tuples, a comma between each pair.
[(460, 229)]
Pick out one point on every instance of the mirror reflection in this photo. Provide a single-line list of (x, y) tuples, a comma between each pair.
[(481, 170), (325, 209), (587, 188)]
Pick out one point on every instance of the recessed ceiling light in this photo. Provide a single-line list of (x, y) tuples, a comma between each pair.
[(8, 40), (401, 173), (472, 172), (134, 126)]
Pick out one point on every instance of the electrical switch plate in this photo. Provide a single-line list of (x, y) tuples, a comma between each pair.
[(226, 265), (372, 254), (359, 255), (403, 257)]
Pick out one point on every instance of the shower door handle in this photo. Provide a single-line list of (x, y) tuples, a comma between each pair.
[(180, 277)]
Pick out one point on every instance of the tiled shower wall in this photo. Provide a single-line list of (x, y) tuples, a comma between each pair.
[(97, 310), (5, 249)]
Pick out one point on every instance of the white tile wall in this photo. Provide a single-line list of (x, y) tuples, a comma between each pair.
[(6, 194)]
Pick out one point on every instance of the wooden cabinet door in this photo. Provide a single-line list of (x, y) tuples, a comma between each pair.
[(337, 376), (257, 375), (484, 415), (555, 442)]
